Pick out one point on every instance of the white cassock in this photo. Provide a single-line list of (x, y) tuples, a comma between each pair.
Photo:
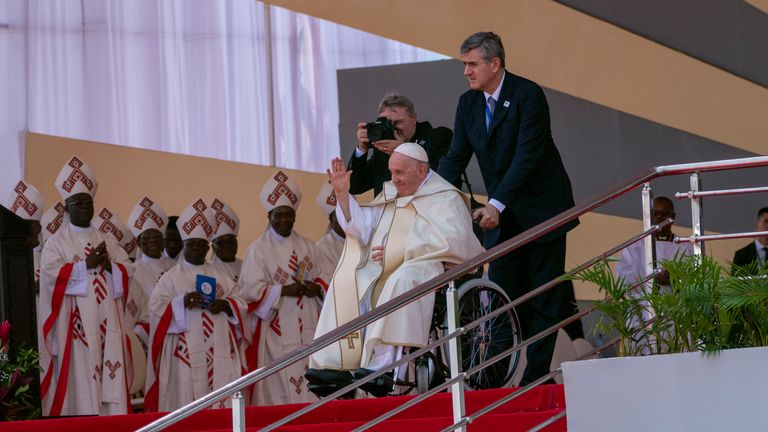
[(330, 247), (631, 267), (280, 324), (193, 351), (231, 269), (420, 233), (631, 263), (83, 363), (146, 274)]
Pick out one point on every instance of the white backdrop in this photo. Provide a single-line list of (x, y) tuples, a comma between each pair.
[(184, 76)]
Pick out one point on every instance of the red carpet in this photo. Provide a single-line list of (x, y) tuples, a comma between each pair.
[(430, 415)]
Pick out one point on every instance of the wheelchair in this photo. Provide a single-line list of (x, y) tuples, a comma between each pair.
[(476, 297)]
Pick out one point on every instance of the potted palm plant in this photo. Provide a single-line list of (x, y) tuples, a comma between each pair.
[(17, 370), (710, 324)]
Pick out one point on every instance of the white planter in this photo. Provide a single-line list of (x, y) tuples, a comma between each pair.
[(672, 392)]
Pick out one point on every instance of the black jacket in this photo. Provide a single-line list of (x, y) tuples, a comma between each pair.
[(520, 164), (745, 256), (371, 170)]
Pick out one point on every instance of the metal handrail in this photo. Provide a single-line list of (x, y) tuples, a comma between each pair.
[(454, 273), (548, 422), (721, 192), (729, 236)]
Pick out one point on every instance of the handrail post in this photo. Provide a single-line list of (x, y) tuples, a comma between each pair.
[(454, 355), (238, 412), (696, 214), (649, 242)]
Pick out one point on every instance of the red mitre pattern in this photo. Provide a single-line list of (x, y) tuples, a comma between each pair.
[(282, 189), (26, 201), (76, 175), (196, 221)]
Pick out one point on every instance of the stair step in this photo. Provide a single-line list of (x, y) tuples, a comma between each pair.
[(433, 414)]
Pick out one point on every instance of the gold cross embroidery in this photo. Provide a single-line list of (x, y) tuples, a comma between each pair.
[(351, 339)]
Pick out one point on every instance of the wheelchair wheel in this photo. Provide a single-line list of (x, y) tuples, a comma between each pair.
[(422, 373), (479, 297)]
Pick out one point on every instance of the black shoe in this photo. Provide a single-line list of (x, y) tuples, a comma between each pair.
[(328, 376), (323, 382), (323, 390), (378, 387)]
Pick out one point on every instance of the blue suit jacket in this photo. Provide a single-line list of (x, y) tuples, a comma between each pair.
[(520, 164)]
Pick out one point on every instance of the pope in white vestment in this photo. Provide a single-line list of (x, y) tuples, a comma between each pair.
[(194, 345), (82, 281), (284, 283), (403, 238)]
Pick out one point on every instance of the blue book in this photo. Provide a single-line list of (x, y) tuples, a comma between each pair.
[(206, 286)]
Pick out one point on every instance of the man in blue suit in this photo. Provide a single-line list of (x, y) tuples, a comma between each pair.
[(504, 121)]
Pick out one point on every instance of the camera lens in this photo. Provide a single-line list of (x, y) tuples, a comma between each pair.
[(381, 129)]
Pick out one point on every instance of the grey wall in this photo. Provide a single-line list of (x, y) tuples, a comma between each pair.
[(729, 34), (599, 145)]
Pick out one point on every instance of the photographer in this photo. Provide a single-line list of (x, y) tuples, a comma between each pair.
[(397, 123)]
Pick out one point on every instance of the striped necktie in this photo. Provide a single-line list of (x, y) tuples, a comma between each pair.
[(489, 107)]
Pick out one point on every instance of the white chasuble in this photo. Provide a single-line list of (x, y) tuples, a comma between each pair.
[(280, 324), (231, 269), (631, 264), (192, 351), (146, 274), (330, 247), (85, 370), (420, 233)]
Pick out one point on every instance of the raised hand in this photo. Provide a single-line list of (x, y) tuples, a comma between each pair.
[(339, 177)]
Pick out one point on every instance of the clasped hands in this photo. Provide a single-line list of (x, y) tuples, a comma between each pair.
[(194, 299), (302, 289), (99, 256)]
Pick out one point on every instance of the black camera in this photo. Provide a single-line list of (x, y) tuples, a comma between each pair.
[(381, 129)]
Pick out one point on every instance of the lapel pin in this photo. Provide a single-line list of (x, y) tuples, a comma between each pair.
[(506, 104)]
